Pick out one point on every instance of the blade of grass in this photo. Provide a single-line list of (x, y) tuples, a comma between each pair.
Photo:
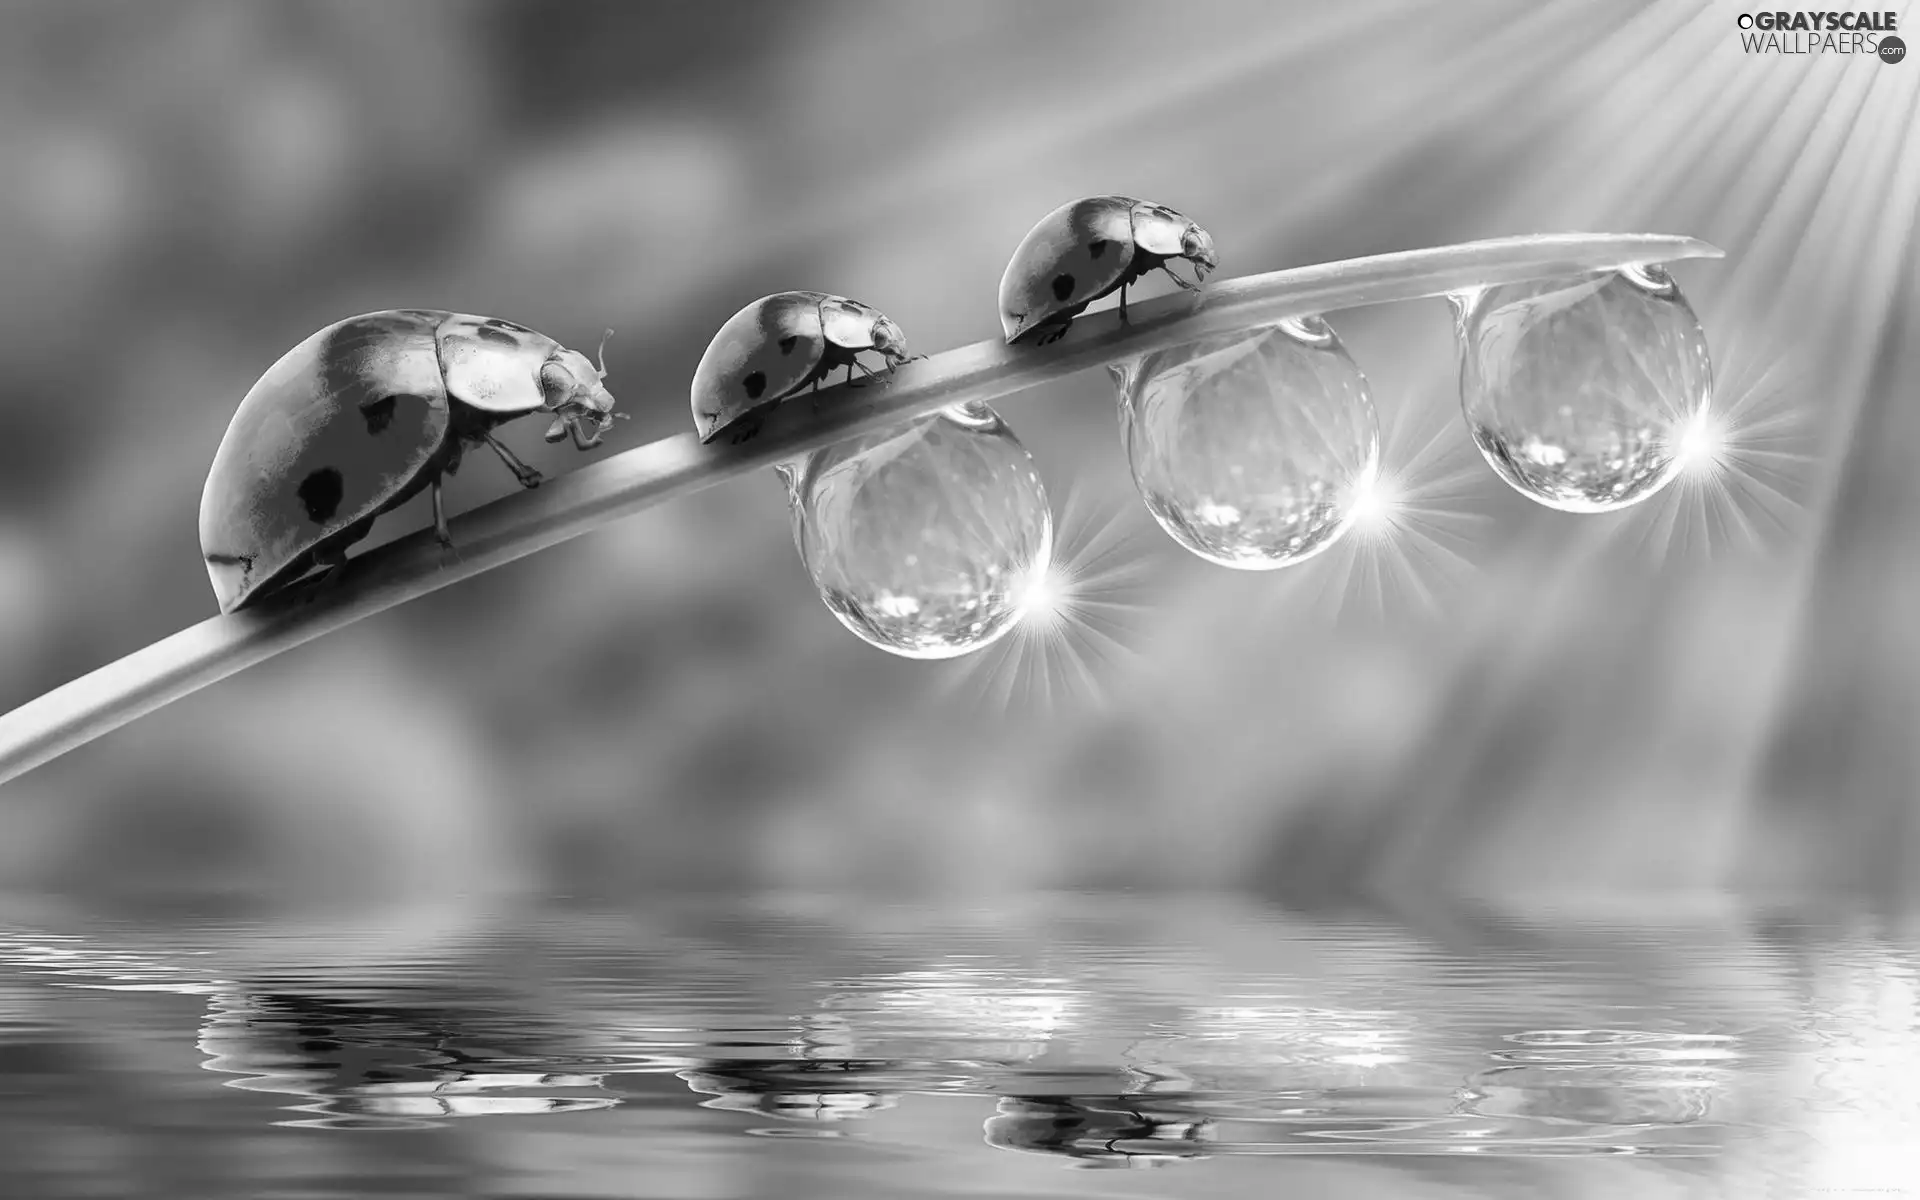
[(581, 500)]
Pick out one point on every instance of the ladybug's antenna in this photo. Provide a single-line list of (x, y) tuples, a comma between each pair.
[(601, 354)]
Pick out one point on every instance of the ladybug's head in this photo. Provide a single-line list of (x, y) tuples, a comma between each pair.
[(582, 406), (852, 325), (1167, 233), (1196, 246), (888, 339)]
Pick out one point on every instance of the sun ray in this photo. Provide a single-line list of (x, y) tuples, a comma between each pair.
[(1728, 169), (1860, 272), (1642, 134), (1751, 459), (1457, 93), (1076, 121), (1746, 109)]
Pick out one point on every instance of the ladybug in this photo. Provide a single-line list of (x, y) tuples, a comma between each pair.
[(359, 418), (1090, 248), (771, 349)]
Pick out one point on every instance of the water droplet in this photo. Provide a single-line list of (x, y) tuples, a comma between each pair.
[(1580, 390), (1248, 447), (923, 540)]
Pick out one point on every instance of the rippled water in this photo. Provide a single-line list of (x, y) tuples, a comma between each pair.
[(807, 1048)]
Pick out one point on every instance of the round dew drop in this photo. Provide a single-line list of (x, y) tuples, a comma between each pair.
[(1249, 448), (924, 540), (1580, 390)]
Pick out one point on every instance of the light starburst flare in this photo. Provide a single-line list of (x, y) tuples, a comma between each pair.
[(1077, 618)]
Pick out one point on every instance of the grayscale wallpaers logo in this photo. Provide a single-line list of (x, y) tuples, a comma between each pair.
[(1798, 33)]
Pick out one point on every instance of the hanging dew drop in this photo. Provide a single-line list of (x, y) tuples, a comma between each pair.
[(1250, 448), (924, 540), (1581, 391)]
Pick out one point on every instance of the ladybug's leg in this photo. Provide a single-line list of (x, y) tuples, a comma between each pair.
[(1185, 284), (1056, 326), (440, 529), (746, 428), (528, 477), (1123, 304), (327, 561)]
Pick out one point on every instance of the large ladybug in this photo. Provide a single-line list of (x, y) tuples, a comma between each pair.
[(1091, 248), (359, 418), (777, 346)]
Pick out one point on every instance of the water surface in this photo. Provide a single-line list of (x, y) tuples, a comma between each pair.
[(1054, 1046)]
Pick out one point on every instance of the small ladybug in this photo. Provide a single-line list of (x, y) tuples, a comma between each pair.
[(1090, 248), (359, 418), (779, 344)]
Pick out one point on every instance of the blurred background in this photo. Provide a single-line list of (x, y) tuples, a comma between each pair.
[(1715, 689)]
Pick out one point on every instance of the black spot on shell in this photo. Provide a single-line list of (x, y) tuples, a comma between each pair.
[(497, 323), (789, 342), (755, 384), (231, 560), (1096, 248), (320, 493), (1062, 286), (379, 414), (489, 333)]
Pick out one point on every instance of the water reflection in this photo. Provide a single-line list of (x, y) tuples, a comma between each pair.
[(808, 1090), (374, 1066), (1606, 1076), (1212, 1036), (1100, 1131)]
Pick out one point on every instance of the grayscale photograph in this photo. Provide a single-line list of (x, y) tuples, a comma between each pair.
[(989, 599)]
